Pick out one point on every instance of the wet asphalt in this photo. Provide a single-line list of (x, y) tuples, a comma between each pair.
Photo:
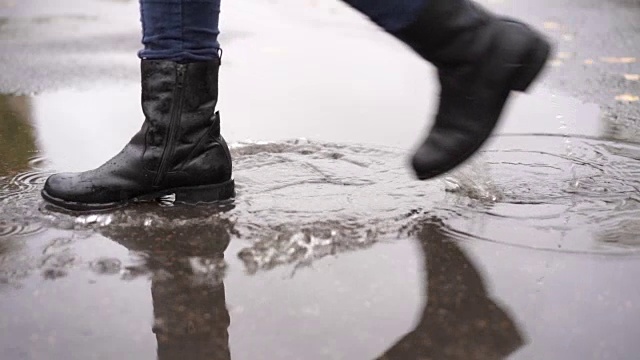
[(332, 250)]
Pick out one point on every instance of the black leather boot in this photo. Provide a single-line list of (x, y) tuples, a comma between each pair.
[(480, 58), (179, 149)]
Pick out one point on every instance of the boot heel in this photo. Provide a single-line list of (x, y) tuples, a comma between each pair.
[(532, 66), (205, 193)]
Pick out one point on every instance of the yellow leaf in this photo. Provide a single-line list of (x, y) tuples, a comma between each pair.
[(556, 62), (632, 77), (551, 25), (627, 98), (564, 55), (618, 60)]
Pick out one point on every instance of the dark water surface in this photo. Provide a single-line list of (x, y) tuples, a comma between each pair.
[(331, 250)]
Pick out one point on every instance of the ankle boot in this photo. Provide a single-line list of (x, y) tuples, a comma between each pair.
[(480, 59), (178, 150)]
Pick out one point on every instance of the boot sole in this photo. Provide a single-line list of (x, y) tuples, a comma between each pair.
[(533, 62), (192, 195)]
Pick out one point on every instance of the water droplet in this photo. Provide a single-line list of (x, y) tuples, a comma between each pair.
[(106, 266)]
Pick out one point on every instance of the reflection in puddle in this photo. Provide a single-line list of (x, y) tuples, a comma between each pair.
[(185, 266), (460, 320), (299, 201)]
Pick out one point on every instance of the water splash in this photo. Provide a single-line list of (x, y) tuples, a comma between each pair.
[(474, 181), (300, 201)]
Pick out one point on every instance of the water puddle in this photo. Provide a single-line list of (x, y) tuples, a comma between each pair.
[(300, 201), (584, 201), (332, 237), (297, 201)]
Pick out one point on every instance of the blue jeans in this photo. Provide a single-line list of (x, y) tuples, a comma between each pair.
[(187, 30)]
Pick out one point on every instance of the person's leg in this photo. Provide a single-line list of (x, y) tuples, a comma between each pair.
[(480, 58), (391, 15), (179, 149), (180, 30)]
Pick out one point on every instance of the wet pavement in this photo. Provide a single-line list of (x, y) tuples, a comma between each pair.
[(331, 250)]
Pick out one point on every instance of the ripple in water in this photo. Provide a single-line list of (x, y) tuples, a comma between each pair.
[(19, 199), (299, 200), (585, 200)]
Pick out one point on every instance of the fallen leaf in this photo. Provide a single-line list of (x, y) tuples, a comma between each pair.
[(556, 62), (627, 98), (589, 62), (564, 55), (551, 25), (632, 77), (618, 60)]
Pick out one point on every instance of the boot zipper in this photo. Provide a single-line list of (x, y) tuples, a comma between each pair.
[(174, 122)]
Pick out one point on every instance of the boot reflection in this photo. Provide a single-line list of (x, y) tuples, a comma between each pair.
[(186, 263), (460, 321)]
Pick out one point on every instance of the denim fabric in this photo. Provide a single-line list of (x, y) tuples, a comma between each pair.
[(187, 30), (391, 15), (180, 30)]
